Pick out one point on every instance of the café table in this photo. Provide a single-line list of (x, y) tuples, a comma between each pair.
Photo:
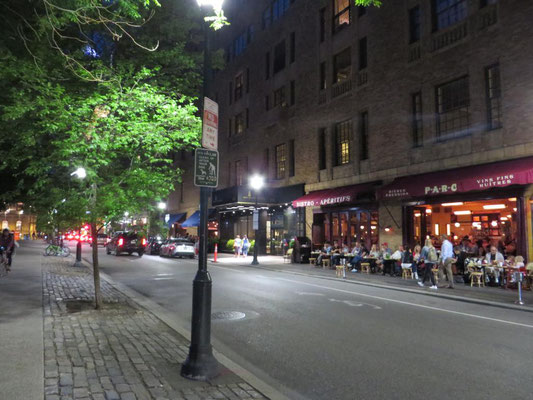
[(389, 264), (372, 261)]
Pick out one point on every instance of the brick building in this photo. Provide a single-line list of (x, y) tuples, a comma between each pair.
[(336, 105)]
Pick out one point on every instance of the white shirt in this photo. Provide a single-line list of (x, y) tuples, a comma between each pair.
[(447, 250)]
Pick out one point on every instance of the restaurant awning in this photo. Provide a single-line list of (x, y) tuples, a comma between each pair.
[(327, 197), (173, 218), (194, 219), (460, 180)]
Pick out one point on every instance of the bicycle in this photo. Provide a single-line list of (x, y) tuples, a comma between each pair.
[(3, 262), (57, 250)]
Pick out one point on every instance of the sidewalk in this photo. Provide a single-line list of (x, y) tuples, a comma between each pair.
[(493, 296), (122, 352)]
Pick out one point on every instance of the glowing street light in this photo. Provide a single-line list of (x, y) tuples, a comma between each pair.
[(256, 183), (216, 4), (80, 173), (162, 205)]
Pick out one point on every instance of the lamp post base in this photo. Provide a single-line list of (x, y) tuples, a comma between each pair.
[(255, 262), (200, 365)]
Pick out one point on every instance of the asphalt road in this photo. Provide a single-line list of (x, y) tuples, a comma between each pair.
[(320, 339)]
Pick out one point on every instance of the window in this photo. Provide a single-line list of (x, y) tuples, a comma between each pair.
[(493, 88), (230, 127), (239, 83), (485, 3), (322, 23), (267, 65), (363, 58), (293, 93), (239, 123), (416, 112), (448, 12), (239, 178), (229, 53), (279, 57), (279, 8), (323, 80), (291, 158), (267, 102), (453, 114), (267, 18), (266, 162), (363, 136), (342, 66), (414, 24), (293, 47), (343, 132), (239, 44), (230, 92), (341, 14), (322, 149), (281, 159), (279, 96)]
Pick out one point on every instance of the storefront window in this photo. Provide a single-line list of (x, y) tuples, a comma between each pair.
[(364, 228), (344, 228), (374, 230), (335, 226)]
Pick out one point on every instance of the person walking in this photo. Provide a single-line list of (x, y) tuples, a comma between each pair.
[(447, 258), (237, 245), (245, 246), (7, 241), (429, 257)]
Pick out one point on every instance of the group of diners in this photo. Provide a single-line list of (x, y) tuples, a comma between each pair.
[(427, 263)]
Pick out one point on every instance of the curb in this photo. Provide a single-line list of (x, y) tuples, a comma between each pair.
[(176, 324), (396, 288)]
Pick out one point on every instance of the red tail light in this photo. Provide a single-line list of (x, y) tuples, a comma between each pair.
[(172, 248), (121, 242), (143, 242)]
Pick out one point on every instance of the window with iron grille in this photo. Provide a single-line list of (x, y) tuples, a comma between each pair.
[(416, 115), (279, 96), (493, 89), (239, 123), (343, 133), (414, 24), (292, 163), (279, 8), (239, 84), (281, 160), (363, 136), (342, 66), (239, 178), (279, 57), (453, 109), (341, 14), (323, 79), (267, 18), (448, 12)]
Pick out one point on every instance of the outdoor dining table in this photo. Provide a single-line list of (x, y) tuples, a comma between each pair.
[(389, 264), (372, 261)]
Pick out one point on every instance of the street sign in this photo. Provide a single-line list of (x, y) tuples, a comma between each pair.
[(206, 168), (255, 220), (210, 125)]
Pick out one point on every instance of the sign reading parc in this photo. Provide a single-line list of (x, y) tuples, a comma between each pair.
[(210, 125)]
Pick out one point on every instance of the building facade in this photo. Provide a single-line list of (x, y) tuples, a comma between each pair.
[(352, 105)]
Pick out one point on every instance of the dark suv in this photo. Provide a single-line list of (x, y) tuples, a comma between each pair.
[(126, 242)]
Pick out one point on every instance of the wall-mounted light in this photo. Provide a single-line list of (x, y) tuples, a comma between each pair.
[(388, 228), (494, 206), (464, 212), (457, 224), (457, 203), (429, 210), (494, 223)]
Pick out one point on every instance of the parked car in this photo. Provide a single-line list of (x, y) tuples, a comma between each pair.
[(126, 242), (177, 248), (154, 245), (101, 240)]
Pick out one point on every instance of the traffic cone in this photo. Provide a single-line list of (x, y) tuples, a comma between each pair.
[(216, 252)]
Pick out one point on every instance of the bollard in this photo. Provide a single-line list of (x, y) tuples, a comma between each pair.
[(343, 268), (216, 252), (518, 277)]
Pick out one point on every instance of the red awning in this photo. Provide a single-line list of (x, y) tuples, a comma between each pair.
[(459, 180), (344, 194)]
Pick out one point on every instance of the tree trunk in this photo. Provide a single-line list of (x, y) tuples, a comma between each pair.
[(96, 267)]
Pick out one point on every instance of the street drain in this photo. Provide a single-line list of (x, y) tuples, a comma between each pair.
[(228, 315)]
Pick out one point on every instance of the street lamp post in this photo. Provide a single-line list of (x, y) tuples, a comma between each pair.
[(81, 174), (200, 363), (256, 183)]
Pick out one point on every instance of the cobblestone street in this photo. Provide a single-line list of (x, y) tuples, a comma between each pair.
[(121, 352)]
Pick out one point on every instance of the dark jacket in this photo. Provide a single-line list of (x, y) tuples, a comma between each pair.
[(7, 243)]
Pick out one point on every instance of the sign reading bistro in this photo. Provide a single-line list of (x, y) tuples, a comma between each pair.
[(459, 180)]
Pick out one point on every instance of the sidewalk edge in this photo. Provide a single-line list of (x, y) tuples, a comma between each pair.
[(397, 288), (170, 320)]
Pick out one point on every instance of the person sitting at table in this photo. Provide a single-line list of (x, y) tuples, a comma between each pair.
[(326, 250), (385, 254), (358, 252), (495, 259), (407, 259), (397, 256), (375, 256), (335, 253)]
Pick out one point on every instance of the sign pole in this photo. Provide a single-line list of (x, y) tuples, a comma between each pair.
[(201, 364)]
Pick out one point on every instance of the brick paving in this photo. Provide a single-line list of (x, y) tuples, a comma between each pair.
[(121, 352)]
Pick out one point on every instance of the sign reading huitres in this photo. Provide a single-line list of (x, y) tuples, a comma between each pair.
[(206, 168)]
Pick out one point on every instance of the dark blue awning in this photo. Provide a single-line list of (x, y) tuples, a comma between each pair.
[(173, 218), (194, 219)]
